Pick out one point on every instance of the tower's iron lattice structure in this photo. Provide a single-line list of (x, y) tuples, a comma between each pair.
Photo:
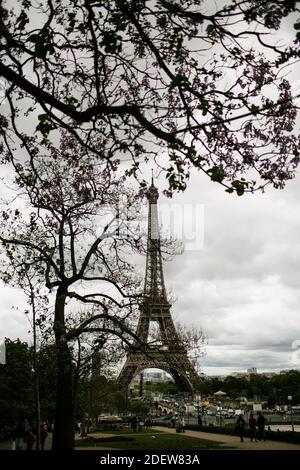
[(168, 352)]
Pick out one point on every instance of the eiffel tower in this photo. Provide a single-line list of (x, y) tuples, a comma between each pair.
[(168, 353)]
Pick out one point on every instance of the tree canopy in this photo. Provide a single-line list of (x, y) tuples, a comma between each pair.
[(67, 228), (274, 389), (17, 383), (203, 82)]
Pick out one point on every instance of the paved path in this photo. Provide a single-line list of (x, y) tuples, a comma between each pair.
[(222, 439), (234, 441), (7, 445)]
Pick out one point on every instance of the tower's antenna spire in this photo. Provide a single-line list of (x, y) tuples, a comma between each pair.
[(152, 177)]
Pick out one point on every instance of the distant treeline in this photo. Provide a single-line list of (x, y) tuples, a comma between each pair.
[(274, 390)]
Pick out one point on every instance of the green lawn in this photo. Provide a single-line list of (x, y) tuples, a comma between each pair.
[(123, 430), (149, 441)]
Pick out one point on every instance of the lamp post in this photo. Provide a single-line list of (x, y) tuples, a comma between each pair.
[(291, 410)]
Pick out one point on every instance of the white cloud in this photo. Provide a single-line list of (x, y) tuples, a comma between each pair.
[(242, 287), (13, 321)]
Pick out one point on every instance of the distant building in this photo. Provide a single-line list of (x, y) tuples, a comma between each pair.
[(157, 376), (154, 376), (252, 370)]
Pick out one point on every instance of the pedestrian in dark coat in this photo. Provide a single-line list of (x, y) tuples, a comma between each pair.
[(252, 427), (261, 422), (240, 427)]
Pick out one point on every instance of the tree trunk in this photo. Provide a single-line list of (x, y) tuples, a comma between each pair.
[(76, 383), (36, 380), (37, 413), (75, 396), (63, 438), (35, 368)]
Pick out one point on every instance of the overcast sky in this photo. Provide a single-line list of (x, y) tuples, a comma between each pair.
[(242, 285), (238, 278)]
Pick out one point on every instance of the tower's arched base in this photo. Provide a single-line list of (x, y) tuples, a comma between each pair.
[(176, 364)]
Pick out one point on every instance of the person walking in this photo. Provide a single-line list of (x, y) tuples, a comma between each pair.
[(30, 440), (173, 421), (179, 424), (240, 427), (261, 423), (18, 435), (252, 427), (183, 424), (141, 423), (134, 423), (82, 429), (44, 434)]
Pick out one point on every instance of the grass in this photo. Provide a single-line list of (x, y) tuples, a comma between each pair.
[(149, 441), (123, 430)]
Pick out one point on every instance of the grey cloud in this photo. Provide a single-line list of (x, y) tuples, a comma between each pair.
[(242, 286)]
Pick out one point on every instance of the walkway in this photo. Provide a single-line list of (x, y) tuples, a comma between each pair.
[(7, 445), (234, 441), (222, 439)]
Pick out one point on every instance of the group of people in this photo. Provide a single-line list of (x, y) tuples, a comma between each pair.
[(83, 427), (256, 427), (23, 432), (138, 422), (178, 423)]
